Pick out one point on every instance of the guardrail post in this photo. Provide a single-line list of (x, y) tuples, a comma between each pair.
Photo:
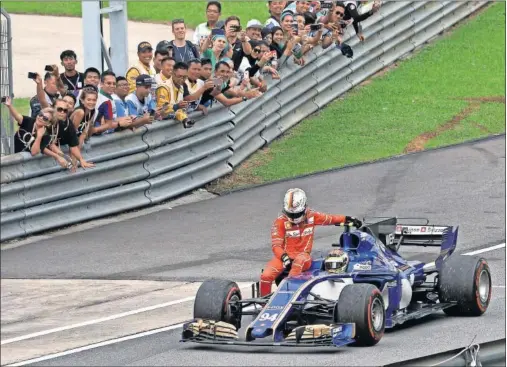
[(91, 34)]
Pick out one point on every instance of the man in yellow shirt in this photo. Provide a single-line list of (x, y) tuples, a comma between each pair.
[(142, 66), (166, 72), (170, 95)]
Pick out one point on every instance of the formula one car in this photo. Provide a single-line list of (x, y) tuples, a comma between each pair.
[(378, 290)]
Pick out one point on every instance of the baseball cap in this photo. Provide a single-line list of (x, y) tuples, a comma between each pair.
[(144, 80), (163, 46), (144, 46), (254, 23)]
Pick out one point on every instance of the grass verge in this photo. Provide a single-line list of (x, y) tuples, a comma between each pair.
[(451, 91), (194, 12)]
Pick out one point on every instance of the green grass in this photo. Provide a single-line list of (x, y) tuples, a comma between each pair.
[(380, 119), (162, 11), (22, 105)]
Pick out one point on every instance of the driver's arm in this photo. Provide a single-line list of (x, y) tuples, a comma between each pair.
[(323, 219), (278, 238)]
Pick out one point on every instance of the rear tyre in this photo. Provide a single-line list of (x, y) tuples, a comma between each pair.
[(363, 305), (467, 281), (212, 302)]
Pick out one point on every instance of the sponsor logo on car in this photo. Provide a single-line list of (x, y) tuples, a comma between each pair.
[(414, 230), (337, 330), (365, 265)]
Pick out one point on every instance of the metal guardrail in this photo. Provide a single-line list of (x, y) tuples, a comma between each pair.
[(485, 355), (6, 121), (163, 160)]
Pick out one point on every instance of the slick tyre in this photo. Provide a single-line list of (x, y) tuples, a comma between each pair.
[(363, 305), (467, 281), (212, 302)]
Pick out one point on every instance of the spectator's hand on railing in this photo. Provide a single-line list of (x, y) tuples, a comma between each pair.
[(125, 121), (252, 93), (85, 164)]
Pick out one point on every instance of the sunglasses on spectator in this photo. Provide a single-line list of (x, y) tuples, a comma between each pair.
[(339, 13), (43, 118), (90, 89), (61, 109), (179, 20), (257, 49)]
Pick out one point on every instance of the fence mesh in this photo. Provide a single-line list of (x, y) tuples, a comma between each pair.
[(7, 125)]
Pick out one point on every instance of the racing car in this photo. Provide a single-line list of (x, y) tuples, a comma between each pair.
[(378, 290)]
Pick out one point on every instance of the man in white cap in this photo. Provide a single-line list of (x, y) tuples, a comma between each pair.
[(253, 30)]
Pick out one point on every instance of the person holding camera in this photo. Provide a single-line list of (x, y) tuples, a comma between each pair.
[(216, 47), (31, 135), (237, 40)]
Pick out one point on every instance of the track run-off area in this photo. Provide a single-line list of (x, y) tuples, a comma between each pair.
[(116, 293)]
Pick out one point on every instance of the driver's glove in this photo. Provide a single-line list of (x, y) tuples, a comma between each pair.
[(355, 222), (286, 260)]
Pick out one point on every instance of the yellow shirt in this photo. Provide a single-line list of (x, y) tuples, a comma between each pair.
[(135, 70), (168, 93)]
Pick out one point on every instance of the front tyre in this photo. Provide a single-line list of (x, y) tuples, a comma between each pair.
[(465, 280), (212, 302), (363, 305)]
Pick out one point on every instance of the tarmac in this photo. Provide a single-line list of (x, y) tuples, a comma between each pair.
[(41, 43)]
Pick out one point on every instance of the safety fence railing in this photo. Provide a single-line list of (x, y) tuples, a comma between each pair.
[(481, 354), (6, 122), (160, 161)]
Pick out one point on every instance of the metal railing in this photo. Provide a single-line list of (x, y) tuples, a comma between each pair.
[(160, 161), (7, 122)]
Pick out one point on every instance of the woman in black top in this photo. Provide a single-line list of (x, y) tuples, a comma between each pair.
[(31, 130), (84, 115)]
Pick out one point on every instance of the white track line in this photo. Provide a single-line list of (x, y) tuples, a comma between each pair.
[(96, 321), (496, 247), (97, 345)]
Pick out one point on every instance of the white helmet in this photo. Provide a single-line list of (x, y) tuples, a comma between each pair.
[(294, 205), (336, 261)]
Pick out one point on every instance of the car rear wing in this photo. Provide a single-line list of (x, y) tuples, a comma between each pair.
[(411, 231)]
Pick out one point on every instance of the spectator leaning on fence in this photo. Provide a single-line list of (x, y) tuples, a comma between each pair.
[(170, 96), (194, 87), (105, 122), (84, 115), (31, 134), (120, 95), (65, 133), (141, 104), (71, 78), (167, 71), (142, 66), (203, 30)]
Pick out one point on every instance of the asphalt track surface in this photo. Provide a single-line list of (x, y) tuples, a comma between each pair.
[(229, 237)]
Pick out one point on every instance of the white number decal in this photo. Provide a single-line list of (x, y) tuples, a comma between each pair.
[(267, 316), (390, 239)]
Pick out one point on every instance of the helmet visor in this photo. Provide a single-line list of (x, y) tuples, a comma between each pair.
[(294, 215)]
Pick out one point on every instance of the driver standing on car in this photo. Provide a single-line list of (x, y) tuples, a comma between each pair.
[(292, 237)]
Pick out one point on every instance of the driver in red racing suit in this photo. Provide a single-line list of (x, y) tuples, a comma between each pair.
[(292, 237)]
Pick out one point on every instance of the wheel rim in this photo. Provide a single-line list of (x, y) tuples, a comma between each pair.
[(377, 314), (484, 286), (231, 310)]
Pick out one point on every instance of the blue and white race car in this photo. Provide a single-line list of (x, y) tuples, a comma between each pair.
[(379, 290)]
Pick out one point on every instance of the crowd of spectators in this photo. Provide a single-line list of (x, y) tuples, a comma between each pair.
[(225, 62)]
